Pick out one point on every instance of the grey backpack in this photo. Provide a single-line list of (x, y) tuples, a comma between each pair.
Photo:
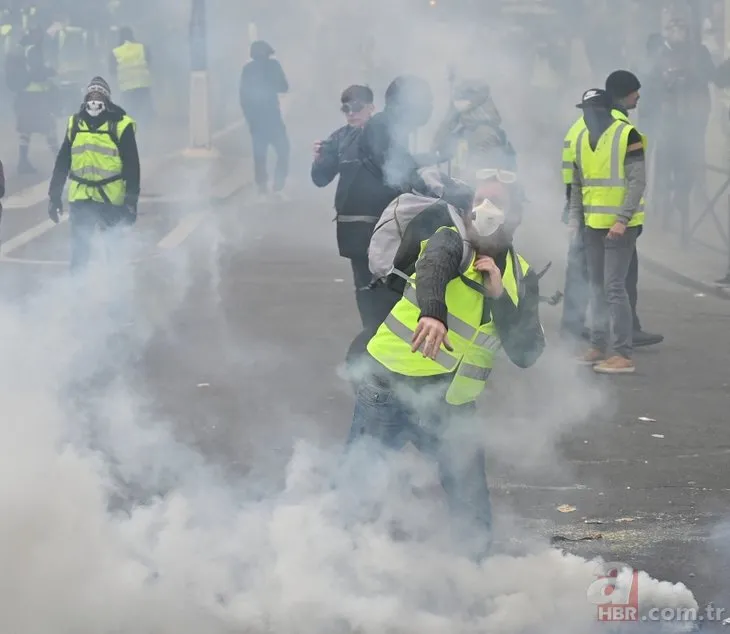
[(408, 220)]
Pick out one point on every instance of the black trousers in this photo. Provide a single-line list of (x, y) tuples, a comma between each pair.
[(374, 305), (265, 135), (577, 289)]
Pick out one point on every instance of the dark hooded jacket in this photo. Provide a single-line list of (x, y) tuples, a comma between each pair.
[(262, 81), (127, 152), (474, 118)]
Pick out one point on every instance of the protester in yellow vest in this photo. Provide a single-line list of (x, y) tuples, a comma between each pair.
[(609, 179), (576, 293), (35, 106), (431, 357), (99, 156), (130, 67)]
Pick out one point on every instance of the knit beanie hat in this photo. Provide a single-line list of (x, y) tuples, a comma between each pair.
[(621, 83), (98, 86)]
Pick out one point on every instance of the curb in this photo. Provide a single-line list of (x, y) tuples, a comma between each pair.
[(663, 271)]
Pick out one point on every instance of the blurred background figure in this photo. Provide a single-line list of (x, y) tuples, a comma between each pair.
[(262, 81), (129, 65), (677, 104), (471, 136), (35, 99)]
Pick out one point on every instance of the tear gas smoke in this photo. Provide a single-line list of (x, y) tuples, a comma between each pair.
[(110, 523)]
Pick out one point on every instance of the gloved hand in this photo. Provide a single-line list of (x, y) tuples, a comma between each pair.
[(130, 213), (55, 210)]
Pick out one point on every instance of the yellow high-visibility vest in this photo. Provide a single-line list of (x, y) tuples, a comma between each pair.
[(569, 149), (475, 344), (603, 179), (96, 167), (132, 69)]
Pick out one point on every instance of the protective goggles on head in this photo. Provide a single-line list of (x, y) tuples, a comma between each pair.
[(503, 176), (353, 107)]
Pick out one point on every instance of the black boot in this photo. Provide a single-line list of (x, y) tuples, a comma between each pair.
[(642, 339)]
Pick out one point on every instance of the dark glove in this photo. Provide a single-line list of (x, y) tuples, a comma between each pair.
[(55, 210), (130, 213)]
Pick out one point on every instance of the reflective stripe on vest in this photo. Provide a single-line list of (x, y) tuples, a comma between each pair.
[(96, 166), (475, 344), (38, 86), (132, 69), (603, 180), (569, 149)]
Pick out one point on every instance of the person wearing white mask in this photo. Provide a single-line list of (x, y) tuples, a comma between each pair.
[(471, 295), (99, 156)]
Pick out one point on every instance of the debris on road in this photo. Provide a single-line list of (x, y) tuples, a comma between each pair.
[(657, 435), (593, 521), (566, 508), (562, 538), (339, 279), (203, 384), (646, 419), (625, 519)]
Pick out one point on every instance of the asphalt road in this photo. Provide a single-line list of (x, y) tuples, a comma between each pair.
[(252, 311)]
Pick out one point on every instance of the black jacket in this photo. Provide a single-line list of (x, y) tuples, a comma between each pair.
[(385, 168), (262, 81), (127, 152), (340, 154)]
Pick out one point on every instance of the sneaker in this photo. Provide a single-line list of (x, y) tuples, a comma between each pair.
[(592, 357), (280, 196), (615, 365), (642, 338)]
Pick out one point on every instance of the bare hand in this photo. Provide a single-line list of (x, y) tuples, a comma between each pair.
[(616, 231), (430, 333), (317, 150), (492, 275)]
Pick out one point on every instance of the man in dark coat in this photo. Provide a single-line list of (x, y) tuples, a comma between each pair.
[(262, 81)]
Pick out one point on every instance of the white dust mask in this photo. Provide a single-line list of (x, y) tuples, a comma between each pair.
[(487, 219)]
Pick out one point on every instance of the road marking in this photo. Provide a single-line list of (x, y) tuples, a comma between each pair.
[(26, 236), (28, 197), (35, 194), (181, 232)]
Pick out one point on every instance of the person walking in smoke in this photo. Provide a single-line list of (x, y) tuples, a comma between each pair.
[(99, 156), (430, 359), (340, 154), (262, 81)]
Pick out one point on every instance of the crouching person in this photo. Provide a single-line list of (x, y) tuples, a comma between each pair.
[(471, 294)]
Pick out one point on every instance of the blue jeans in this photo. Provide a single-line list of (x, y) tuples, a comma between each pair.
[(394, 416)]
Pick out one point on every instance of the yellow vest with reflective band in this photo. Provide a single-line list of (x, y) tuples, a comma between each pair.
[(603, 177), (620, 116), (132, 69), (73, 49), (474, 343), (569, 149), (96, 167)]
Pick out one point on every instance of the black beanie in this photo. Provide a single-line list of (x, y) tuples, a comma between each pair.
[(621, 83)]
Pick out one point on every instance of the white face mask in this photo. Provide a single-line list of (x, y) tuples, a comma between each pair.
[(462, 104), (95, 108), (487, 219)]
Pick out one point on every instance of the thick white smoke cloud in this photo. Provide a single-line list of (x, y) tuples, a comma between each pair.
[(110, 524)]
